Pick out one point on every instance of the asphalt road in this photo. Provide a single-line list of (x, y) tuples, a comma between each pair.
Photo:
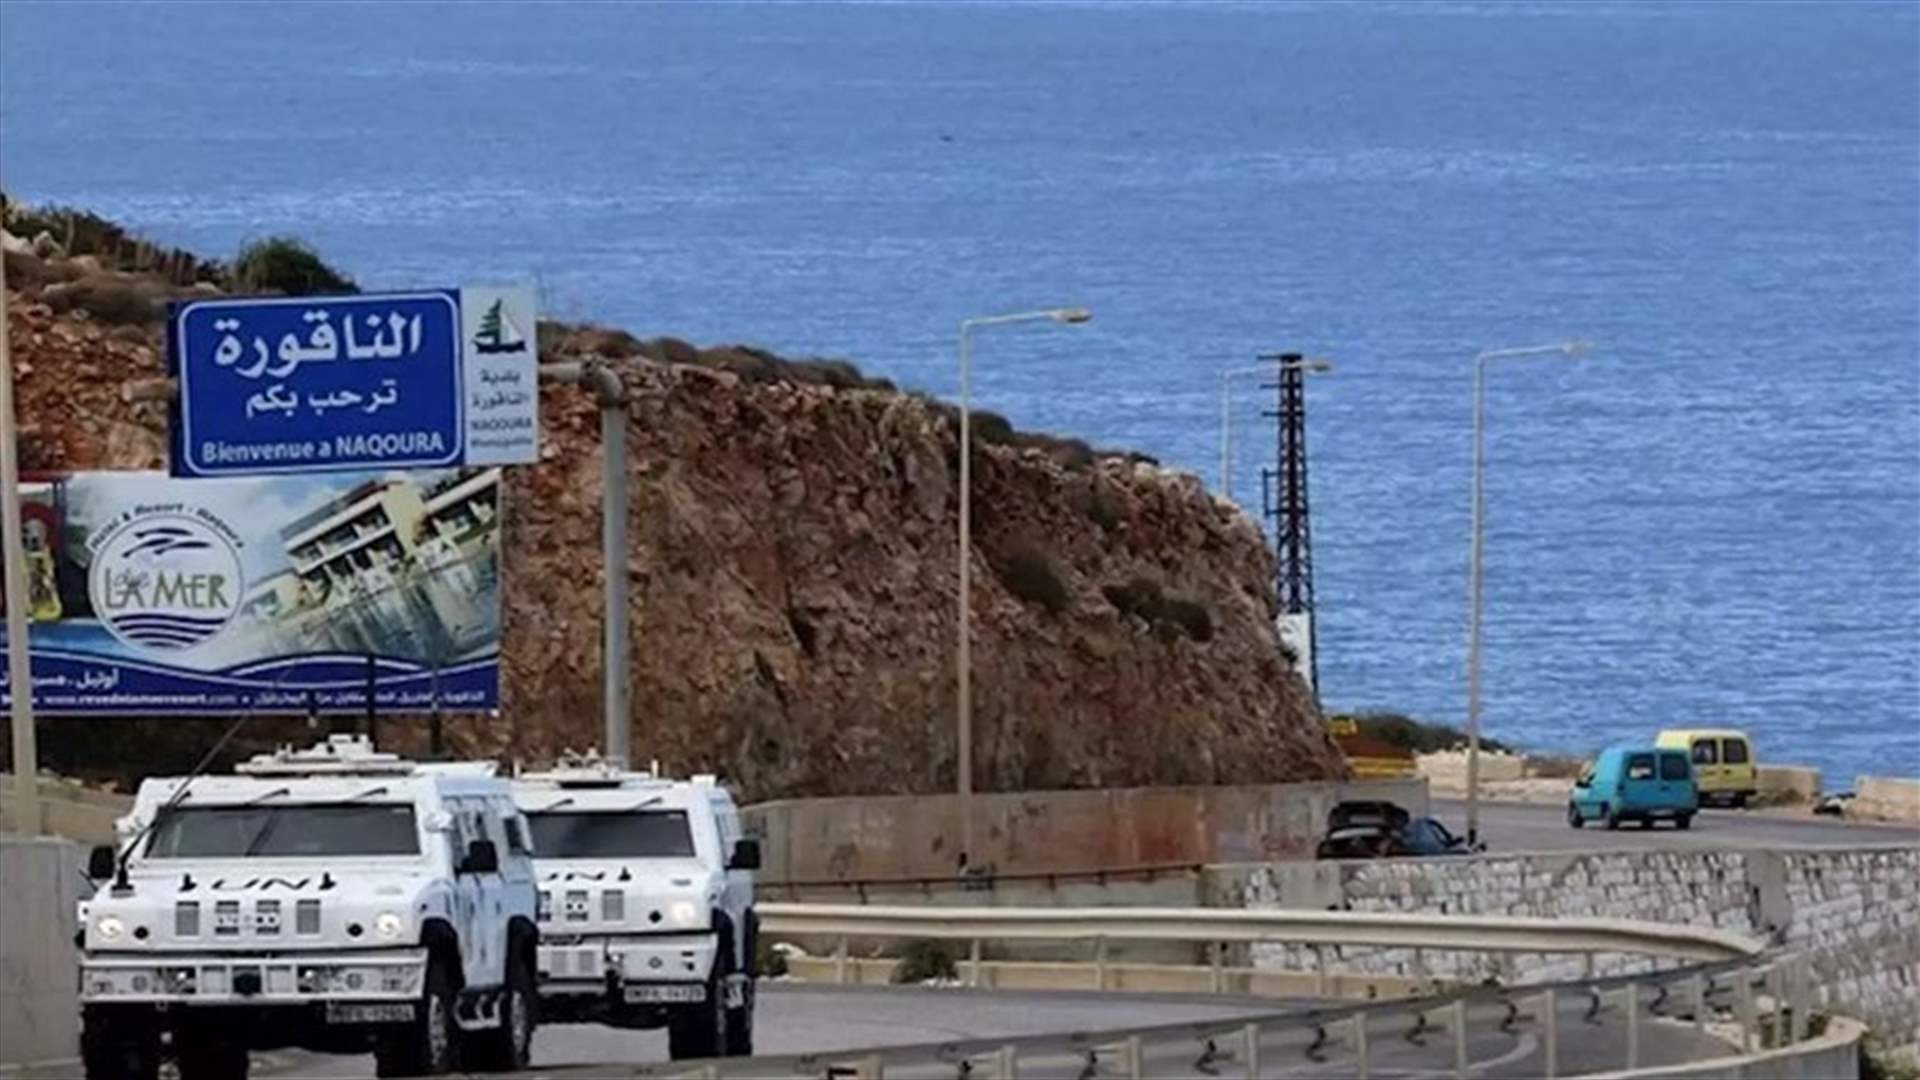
[(1528, 827)]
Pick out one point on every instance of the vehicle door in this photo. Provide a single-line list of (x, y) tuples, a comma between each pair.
[(1676, 782), (1583, 790), (470, 892), (1706, 763), (1737, 768), (1640, 785), (736, 889)]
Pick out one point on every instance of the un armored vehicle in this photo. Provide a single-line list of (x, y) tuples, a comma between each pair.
[(336, 899), (646, 903)]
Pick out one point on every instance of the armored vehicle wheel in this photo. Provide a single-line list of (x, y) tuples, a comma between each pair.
[(425, 1047), (508, 1048), (700, 1031), (119, 1044), (205, 1052)]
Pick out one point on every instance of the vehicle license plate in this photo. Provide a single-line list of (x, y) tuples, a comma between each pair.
[(661, 994), (372, 1012)]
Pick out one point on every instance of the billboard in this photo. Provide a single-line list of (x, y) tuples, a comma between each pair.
[(150, 595)]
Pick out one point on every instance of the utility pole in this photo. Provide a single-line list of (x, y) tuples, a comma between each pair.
[(1285, 497)]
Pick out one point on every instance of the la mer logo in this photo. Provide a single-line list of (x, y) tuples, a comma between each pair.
[(165, 580)]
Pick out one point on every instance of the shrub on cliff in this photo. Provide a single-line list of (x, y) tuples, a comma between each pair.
[(1169, 616), (1034, 578), (283, 264), (1409, 734), (111, 299)]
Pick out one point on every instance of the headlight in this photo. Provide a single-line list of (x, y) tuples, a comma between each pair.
[(110, 928), (388, 925), (683, 912)]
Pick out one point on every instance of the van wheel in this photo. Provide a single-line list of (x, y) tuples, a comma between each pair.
[(1739, 802), (1573, 816), (118, 1044), (1684, 821), (1612, 817), (425, 1047)]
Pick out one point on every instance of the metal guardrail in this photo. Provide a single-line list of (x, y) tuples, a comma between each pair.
[(1718, 975), (986, 881), (1470, 933)]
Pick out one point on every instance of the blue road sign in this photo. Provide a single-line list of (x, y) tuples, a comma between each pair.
[(317, 384)]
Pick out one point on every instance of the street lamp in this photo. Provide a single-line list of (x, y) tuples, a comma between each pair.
[(1312, 366), (1476, 573), (964, 651)]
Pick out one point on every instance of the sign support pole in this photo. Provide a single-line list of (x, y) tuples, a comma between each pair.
[(615, 648), (26, 753), (613, 539)]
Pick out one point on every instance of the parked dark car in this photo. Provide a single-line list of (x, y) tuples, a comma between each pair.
[(1383, 830)]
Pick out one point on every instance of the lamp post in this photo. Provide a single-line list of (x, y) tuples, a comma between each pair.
[(1476, 572), (1313, 366), (964, 647)]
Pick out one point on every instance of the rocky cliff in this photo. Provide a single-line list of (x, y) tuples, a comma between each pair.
[(794, 579)]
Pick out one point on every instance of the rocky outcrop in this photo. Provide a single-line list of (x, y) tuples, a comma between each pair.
[(794, 581)]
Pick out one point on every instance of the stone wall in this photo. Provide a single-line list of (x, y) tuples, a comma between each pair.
[(1854, 911)]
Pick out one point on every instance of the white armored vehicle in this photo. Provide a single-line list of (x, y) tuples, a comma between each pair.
[(335, 899), (646, 903)]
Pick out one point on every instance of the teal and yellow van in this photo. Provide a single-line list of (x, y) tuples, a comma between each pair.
[(1635, 783)]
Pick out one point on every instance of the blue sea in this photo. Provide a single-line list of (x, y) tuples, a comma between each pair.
[(1713, 518)]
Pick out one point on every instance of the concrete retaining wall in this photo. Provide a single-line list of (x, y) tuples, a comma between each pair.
[(1854, 911), (39, 886), (66, 809), (917, 836)]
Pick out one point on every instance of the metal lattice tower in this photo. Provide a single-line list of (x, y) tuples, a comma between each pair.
[(1284, 498)]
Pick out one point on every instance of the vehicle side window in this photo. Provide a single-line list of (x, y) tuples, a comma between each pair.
[(1736, 752), (1674, 767), (495, 817), (1640, 767), (469, 824), (1421, 838), (517, 836), (1706, 752)]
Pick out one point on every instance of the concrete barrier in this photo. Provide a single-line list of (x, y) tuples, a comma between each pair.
[(1787, 784), (1448, 768), (918, 836), (1887, 798), (40, 884)]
